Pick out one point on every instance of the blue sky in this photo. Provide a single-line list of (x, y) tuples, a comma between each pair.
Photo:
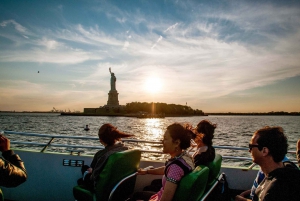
[(218, 56)]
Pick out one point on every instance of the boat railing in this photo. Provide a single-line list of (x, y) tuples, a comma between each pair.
[(74, 147)]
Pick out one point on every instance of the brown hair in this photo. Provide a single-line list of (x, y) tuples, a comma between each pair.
[(207, 128), (109, 134), (181, 132), (275, 140)]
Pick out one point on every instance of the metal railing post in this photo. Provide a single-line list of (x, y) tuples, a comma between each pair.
[(46, 146)]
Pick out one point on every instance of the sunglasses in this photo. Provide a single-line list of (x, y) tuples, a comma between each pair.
[(253, 145)]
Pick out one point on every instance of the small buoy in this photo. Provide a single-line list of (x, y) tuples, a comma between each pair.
[(86, 128)]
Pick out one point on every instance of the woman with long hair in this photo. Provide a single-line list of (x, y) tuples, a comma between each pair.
[(109, 136), (204, 133)]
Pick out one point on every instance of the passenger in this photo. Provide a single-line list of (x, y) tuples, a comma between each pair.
[(12, 169), (298, 152), (109, 136), (204, 133), (176, 140), (249, 194), (268, 147)]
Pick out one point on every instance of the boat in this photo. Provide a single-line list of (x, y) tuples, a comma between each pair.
[(52, 175), (151, 116)]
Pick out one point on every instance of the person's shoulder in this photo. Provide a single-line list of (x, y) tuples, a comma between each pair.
[(100, 152), (290, 165), (288, 175)]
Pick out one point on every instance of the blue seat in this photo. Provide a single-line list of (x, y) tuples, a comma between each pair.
[(120, 169), (192, 186)]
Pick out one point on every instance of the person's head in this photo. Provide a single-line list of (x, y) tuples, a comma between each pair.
[(268, 141), (109, 135), (176, 138), (206, 130)]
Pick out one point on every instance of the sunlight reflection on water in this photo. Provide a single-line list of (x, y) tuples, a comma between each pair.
[(231, 130)]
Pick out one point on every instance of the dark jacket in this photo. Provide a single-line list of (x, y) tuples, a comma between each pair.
[(205, 157), (12, 170), (281, 184), (101, 157)]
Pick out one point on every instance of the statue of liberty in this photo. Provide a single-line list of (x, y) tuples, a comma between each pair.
[(113, 80)]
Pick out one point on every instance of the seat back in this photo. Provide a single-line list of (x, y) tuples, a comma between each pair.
[(192, 186), (214, 170), (122, 185), (118, 166)]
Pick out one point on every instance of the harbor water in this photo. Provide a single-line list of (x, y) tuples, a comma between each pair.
[(231, 130)]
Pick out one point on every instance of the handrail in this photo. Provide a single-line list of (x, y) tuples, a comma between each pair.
[(119, 183), (213, 187), (76, 137), (52, 136)]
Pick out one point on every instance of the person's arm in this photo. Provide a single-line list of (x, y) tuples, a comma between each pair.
[(155, 171), (169, 191), (241, 198), (12, 169), (246, 193), (173, 177), (243, 195)]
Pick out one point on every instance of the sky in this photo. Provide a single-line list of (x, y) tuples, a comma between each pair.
[(213, 55)]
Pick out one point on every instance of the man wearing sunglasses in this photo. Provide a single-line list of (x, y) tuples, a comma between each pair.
[(268, 147)]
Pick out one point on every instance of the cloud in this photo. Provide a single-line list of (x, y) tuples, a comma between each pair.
[(171, 27), (158, 40), (210, 55), (49, 44), (17, 26), (126, 45), (63, 56)]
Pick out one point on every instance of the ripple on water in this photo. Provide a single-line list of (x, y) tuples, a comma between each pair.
[(231, 130)]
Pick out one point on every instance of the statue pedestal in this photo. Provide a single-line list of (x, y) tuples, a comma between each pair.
[(113, 98)]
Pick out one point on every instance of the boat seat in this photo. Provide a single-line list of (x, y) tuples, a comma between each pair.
[(120, 169), (214, 170), (192, 186)]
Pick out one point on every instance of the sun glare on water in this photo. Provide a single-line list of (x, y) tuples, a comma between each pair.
[(153, 85)]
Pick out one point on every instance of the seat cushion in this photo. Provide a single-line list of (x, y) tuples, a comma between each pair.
[(82, 194)]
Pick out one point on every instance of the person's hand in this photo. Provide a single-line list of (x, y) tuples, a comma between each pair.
[(89, 170), (142, 171), (298, 145), (4, 143), (239, 198)]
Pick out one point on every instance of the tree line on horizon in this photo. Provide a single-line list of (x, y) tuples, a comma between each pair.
[(161, 108), (255, 113)]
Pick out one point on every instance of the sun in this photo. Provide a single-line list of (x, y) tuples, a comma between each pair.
[(153, 84)]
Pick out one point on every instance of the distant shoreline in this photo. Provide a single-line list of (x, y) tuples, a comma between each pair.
[(175, 115), (258, 114)]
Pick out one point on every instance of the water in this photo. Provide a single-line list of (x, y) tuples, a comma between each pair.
[(231, 130)]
